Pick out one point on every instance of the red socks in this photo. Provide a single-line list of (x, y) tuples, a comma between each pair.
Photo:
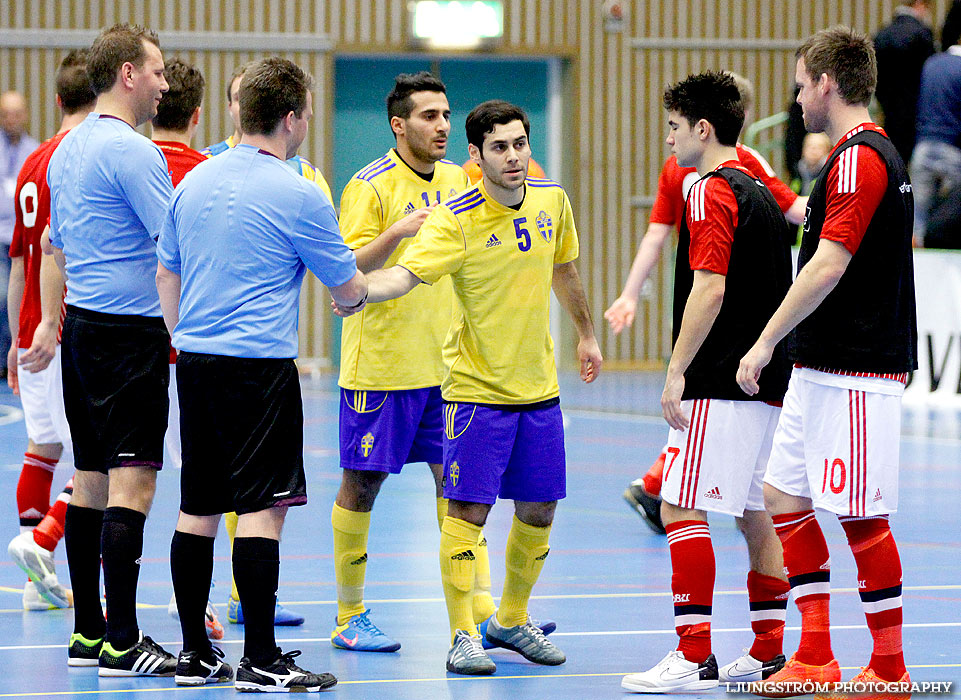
[(879, 583), (33, 489), (808, 565), (652, 480), (692, 559), (768, 598), (50, 530)]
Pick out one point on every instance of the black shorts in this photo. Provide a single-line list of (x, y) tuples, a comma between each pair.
[(115, 377), (242, 434)]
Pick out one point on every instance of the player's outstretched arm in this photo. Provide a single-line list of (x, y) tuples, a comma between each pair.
[(52, 276), (351, 296), (700, 312), (168, 287), (813, 284), (374, 255), (570, 293), (620, 315)]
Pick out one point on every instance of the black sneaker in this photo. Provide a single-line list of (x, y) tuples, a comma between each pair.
[(197, 668), (282, 675), (83, 651), (646, 505), (145, 658)]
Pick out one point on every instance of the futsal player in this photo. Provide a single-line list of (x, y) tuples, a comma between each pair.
[(36, 346), (852, 309), (733, 268), (505, 243), (236, 333)]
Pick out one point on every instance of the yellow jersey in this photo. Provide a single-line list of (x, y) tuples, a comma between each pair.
[(395, 345), (501, 262)]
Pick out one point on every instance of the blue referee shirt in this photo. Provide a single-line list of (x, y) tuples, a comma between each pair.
[(239, 231), (109, 190)]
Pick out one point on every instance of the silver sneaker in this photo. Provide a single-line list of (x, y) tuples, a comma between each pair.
[(468, 657), (527, 640), (37, 562)]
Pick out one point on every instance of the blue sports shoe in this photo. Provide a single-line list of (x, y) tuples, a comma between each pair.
[(360, 634), (282, 616), (547, 626)]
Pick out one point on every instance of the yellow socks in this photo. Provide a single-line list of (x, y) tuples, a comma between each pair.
[(350, 560), (526, 552), (483, 603), (230, 523), (458, 545)]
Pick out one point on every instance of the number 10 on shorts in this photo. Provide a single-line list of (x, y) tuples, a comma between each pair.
[(835, 475)]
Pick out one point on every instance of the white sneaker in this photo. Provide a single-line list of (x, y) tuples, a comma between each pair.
[(37, 562), (747, 669), (674, 674), (32, 600)]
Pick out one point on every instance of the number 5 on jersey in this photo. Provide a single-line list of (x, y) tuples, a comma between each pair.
[(523, 237)]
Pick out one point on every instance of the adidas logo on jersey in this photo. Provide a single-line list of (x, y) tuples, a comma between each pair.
[(463, 556), (714, 493), (410, 208), (492, 241)]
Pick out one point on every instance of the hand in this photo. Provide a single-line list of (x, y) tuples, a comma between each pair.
[(410, 224), (671, 402), (38, 356), (589, 355), (751, 365), (621, 314), (345, 311), (12, 380)]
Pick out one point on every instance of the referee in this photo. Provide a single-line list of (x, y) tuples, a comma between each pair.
[(109, 190), (240, 232)]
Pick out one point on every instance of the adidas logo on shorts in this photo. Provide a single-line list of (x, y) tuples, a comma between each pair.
[(714, 493), (463, 556), (878, 496)]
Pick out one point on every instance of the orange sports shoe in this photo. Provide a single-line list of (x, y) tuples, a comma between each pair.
[(792, 679), (876, 688)]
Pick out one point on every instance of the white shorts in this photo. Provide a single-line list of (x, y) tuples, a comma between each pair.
[(172, 454), (41, 394), (837, 443), (718, 463)]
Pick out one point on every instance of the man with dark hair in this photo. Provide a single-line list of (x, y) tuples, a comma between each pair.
[(236, 333), (852, 310), (733, 268), (235, 611), (178, 115), (391, 411), (902, 47), (40, 386), (505, 243), (109, 189)]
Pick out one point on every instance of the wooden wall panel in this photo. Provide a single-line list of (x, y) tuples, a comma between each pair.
[(614, 123)]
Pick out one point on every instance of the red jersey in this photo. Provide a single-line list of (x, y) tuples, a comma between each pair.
[(712, 220), (32, 208), (856, 185), (675, 182), (181, 159)]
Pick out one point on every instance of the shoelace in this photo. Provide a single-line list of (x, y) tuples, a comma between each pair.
[(287, 658), (536, 632), (155, 648), (364, 623), (474, 648)]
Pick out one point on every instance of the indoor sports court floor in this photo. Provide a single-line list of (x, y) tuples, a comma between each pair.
[(606, 583)]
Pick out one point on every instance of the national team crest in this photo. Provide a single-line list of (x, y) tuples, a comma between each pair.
[(545, 226), (454, 470), (367, 444)]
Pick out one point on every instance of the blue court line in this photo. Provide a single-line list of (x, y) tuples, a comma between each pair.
[(444, 679)]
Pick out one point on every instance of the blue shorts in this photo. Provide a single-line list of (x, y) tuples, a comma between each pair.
[(492, 452), (384, 430)]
